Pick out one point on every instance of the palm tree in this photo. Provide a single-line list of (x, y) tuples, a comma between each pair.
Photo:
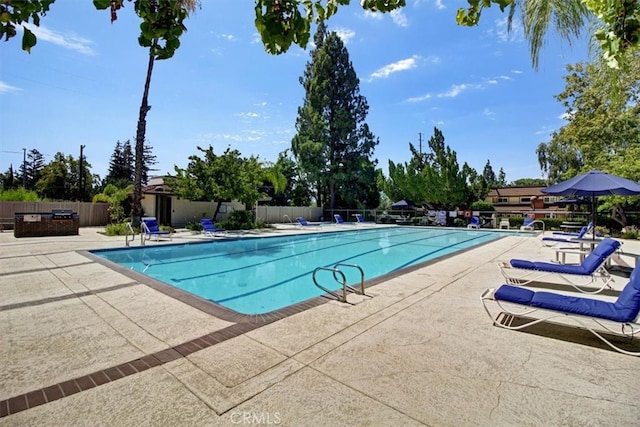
[(164, 19), (568, 18)]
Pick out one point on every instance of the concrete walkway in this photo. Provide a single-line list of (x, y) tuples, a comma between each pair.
[(83, 345)]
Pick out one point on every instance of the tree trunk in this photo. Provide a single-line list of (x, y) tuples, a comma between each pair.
[(136, 206)]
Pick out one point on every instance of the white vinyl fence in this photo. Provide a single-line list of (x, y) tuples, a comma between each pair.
[(286, 214)]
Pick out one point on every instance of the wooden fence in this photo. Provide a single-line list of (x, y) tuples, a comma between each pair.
[(91, 214)]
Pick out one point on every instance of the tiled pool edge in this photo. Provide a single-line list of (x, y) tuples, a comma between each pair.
[(230, 315)]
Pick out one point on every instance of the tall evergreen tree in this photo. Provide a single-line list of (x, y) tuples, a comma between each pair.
[(333, 145), (8, 179), (148, 159), (120, 171), (34, 164), (31, 168), (489, 175), (446, 180)]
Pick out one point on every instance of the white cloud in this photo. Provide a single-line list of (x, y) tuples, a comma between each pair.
[(567, 115), (419, 98), (255, 38), (399, 18), (402, 65), (229, 37), (5, 88), (458, 89), (345, 34), (67, 41), (503, 33), (454, 91), (489, 114), (377, 16), (544, 130), (249, 115), (439, 4)]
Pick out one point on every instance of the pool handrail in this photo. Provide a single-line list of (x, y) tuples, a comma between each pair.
[(343, 281)]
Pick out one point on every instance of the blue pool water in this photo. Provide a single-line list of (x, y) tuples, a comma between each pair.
[(259, 275)]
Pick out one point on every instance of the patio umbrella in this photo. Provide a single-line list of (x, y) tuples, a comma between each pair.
[(593, 184), (402, 204)]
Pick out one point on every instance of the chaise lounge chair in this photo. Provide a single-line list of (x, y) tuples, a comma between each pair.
[(303, 223), (574, 234), (590, 314), (474, 223), (151, 229), (522, 272), (361, 220), (340, 221), (554, 240), (209, 228)]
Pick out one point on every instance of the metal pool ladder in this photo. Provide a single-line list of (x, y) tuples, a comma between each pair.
[(342, 280), (129, 229)]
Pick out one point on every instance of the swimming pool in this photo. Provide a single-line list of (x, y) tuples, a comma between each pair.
[(260, 275)]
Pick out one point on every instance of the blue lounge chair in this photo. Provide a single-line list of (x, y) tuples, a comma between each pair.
[(340, 221), (574, 234), (589, 313), (474, 222), (209, 228), (151, 229), (303, 223), (554, 240), (360, 220), (527, 224), (593, 267)]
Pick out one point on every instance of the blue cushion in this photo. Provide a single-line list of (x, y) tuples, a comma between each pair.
[(550, 267), (522, 263), (153, 227), (515, 294), (578, 305), (628, 302), (588, 266), (625, 309), (559, 239)]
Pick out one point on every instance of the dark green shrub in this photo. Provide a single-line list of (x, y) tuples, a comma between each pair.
[(482, 206), (631, 234), (19, 195), (238, 220), (117, 229), (460, 222), (193, 226)]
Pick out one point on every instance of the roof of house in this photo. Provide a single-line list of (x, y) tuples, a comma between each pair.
[(516, 192), (156, 185)]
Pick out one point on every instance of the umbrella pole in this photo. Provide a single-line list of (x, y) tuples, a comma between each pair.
[(594, 215)]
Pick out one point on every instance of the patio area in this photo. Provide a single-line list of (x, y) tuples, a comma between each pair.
[(83, 345)]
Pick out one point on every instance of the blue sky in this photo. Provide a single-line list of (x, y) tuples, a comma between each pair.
[(82, 85)]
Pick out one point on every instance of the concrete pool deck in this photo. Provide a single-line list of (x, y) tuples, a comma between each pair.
[(83, 345)]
